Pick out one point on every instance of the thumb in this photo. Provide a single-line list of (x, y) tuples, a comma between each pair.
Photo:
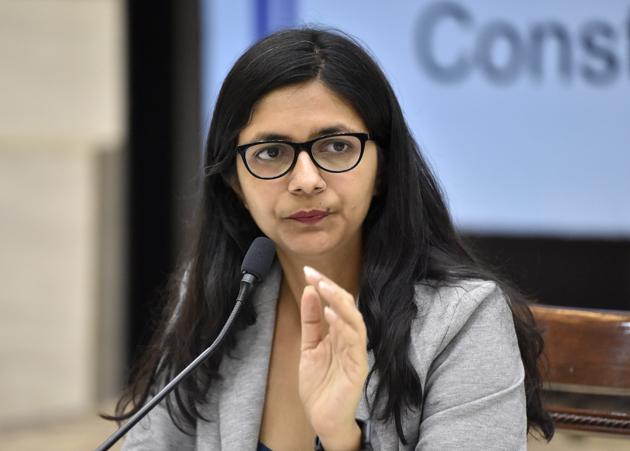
[(312, 318)]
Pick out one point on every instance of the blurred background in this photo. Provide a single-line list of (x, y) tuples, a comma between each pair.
[(521, 107)]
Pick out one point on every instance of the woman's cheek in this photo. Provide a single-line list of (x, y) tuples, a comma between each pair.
[(262, 209)]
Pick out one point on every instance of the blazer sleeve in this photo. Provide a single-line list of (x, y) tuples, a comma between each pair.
[(157, 432), (474, 396)]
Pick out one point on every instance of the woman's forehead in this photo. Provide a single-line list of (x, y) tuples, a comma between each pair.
[(301, 112)]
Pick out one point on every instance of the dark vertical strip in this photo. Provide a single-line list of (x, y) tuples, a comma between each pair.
[(150, 184), (262, 18)]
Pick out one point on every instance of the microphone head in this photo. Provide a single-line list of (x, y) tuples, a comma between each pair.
[(259, 257)]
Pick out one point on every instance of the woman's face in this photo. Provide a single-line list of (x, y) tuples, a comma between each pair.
[(308, 212)]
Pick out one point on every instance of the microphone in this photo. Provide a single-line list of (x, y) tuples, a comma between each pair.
[(255, 267)]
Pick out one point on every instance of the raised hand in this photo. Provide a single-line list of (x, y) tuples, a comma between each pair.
[(333, 362)]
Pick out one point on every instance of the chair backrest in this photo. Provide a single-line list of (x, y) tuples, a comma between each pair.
[(586, 372)]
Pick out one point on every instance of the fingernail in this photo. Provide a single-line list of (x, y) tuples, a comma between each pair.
[(311, 273), (326, 287)]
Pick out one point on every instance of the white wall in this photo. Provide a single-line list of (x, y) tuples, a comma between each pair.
[(62, 116)]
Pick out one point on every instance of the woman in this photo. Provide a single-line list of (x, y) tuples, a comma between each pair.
[(375, 310)]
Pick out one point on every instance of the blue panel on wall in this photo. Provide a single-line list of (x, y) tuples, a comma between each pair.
[(522, 107)]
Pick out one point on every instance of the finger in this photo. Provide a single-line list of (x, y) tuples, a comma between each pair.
[(333, 321), (313, 324), (342, 303), (341, 334), (313, 277), (336, 296), (345, 340)]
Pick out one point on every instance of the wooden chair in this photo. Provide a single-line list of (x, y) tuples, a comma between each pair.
[(587, 370)]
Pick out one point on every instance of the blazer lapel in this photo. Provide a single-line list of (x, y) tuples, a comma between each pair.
[(245, 372)]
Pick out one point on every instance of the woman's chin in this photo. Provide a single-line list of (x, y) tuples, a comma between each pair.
[(312, 247)]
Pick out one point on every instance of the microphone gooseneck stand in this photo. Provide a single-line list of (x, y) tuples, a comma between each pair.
[(255, 267)]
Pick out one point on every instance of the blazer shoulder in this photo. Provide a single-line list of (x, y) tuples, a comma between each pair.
[(456, 300), (445, 309)]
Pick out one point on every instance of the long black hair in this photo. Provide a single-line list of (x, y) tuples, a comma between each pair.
[(408, 237)]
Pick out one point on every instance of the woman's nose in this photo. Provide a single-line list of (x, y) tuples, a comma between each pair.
[(305, 177)]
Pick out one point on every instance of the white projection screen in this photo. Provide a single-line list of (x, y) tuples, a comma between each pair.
[(521, 107)]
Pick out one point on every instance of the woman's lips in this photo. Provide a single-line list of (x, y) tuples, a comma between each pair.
[(309, 217)]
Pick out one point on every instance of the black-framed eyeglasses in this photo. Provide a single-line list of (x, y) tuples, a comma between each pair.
[(340, 152)]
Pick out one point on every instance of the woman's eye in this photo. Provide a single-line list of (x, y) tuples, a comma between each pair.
[(268, 153), (336, 146), (339, 146)]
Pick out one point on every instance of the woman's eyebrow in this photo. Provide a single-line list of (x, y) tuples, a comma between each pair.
[(270, 137), (329, 130)]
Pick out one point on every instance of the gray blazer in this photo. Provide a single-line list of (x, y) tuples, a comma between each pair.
[(464, 349)]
